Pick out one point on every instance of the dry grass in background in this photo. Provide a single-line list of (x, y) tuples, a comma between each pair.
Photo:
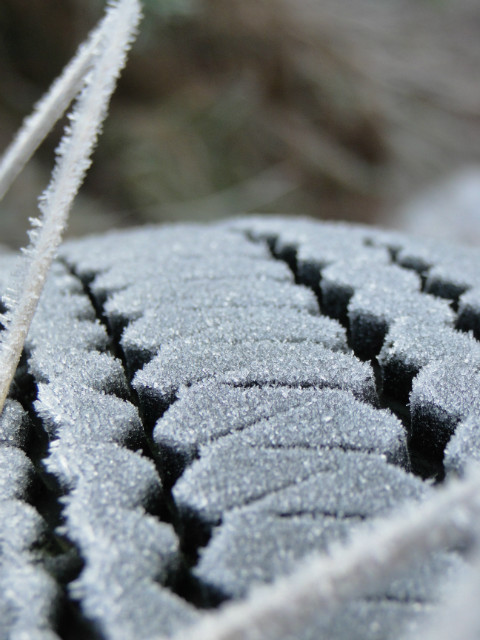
[(339, 108)]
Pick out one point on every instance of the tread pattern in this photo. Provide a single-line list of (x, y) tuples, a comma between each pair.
[(208, 423), (107, 488), (142, 339), (408, 332), (249, 364), (29, 596), (270, 416)]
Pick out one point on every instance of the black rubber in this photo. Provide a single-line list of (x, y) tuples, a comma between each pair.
[(199, 407)]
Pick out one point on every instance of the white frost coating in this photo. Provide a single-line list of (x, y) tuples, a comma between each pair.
[(48, 110), (373, 556), (73, 160)]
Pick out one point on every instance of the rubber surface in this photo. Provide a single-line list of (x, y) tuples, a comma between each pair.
[(201, 406)]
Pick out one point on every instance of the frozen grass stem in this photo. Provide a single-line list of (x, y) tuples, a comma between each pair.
[(107, 49)]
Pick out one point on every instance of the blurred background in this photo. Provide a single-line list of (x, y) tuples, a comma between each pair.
[(362, 110)]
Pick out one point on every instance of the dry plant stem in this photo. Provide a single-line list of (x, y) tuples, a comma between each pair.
[(73, 160), (47, 111), (373, 556)]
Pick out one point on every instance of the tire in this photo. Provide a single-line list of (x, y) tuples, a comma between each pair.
[(198, 407)]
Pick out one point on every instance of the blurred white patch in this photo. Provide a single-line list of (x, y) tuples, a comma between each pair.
[(449, 210)]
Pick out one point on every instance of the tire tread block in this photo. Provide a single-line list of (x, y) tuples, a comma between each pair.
[(469, 312), (362, 486), (29, 602), (143, 338), (14, 425), (79, 368), (63, 332), (78, 415), (277, 416), (90, 256), (131, 303), (455, 273), (245, 475), (183, 270), (252, 364), (444, 393), (335, 420), (449, 269), (372, 312), (105, 533), (464, 446), (410, 346), (16, 474), (117, 475), (344, 278), (252, 547), (120, 609), (21, 529)]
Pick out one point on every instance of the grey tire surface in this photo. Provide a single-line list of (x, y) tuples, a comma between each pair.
[(200, 406)]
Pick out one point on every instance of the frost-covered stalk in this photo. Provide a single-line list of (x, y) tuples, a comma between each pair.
[(73, 160), (372, 557), (47, 111)]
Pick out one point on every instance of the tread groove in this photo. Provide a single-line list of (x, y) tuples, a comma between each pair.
[(181, 582)]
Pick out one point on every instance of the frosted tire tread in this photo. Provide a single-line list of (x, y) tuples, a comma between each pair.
[(214, 401)]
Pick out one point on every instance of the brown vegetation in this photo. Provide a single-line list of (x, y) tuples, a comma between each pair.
[(335, 109)]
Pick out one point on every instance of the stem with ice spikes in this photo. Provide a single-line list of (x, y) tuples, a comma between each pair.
[(114, 36)]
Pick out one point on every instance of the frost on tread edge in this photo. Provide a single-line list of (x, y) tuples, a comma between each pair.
[(201, 406)]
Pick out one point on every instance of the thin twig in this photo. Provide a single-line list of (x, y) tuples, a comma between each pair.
[(73, 160), (47, 111)]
